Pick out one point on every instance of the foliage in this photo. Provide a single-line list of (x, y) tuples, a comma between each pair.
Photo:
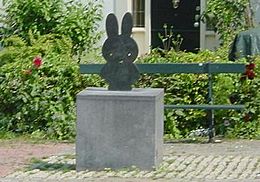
[(170, 41), (249, 124), (39, 97), (192, 89), (227, 16), (38, 84), (181, 89), (61, 17)]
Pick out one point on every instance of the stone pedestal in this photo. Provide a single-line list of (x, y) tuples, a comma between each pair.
[(117, 129)]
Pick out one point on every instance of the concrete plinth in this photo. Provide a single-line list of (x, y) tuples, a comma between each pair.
[(117, 129)]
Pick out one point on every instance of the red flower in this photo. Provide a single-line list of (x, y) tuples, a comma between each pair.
[(250, 66), (37, 61), (250, 74)]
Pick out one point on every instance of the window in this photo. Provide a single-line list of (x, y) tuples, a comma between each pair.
[(138, 13)]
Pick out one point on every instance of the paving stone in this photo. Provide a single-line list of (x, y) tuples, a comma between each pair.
[(141, 174), (130, 174), (150, 174), (110, 174), (231, 167), (160, 175), (240, 168), (170, 175), (252, 162), (186, 166), (57, 175), (170, 159), (15, 174), (88, 174), (202, 165), (176, 163), (40, 174), (208, 172)]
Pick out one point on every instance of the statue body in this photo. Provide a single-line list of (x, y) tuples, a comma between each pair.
[(120, 51)]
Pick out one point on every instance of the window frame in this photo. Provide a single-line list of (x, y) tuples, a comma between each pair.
[(138, 11)]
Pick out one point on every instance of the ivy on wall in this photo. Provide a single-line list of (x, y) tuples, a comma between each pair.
[(228, 17)]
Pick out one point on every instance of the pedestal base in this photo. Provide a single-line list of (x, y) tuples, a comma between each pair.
[(118, 129)]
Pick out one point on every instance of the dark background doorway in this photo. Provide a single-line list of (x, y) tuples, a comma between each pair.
[(183, 19)]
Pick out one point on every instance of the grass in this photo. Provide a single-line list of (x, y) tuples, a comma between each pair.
[(28, 138), (45, 166), (7, 135)]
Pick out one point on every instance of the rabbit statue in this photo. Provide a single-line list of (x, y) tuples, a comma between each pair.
[(120, 51)]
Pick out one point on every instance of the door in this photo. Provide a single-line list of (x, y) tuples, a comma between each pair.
[(183, 16)]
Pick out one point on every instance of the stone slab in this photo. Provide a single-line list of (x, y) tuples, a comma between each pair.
[(118, 129)]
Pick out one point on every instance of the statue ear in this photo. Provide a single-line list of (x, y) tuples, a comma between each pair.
[(111, 25), (127, 24)]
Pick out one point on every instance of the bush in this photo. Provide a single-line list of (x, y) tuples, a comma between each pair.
[(38, 84), (40, 99), (248, 124), (192, 89), (61, 17)]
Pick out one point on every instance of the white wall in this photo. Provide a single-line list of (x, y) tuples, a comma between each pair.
[(119, 8), (108, 7), (208, 39), (142, 35), (255, 5)]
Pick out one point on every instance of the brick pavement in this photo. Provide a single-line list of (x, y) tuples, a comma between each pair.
[(229, 161)]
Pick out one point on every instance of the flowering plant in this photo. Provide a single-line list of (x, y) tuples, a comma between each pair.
[(250, 74), (37, 62), (248, 124), (250, 71), (37, 94)]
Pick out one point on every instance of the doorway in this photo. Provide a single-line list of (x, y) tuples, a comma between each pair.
[(180, 15)]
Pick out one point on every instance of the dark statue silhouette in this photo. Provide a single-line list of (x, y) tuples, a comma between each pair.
[(120, 51)]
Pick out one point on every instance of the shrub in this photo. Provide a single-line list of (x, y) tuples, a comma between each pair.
[(42, 100), (228, 17), (180, 89), (61, 17), (248, 124), (38, 84), (192, 89)]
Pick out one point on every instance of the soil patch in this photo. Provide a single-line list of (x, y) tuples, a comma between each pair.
[(16, 154)]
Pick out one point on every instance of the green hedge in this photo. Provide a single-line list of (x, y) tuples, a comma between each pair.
[(41, 100), (38, 84), (192, 89)]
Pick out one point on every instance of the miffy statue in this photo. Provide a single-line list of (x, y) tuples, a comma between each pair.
[(120, 51)]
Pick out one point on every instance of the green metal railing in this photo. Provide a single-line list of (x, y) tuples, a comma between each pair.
[(200, 68), (189, 68)]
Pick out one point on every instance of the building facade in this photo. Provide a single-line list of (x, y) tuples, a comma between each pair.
[(182, 16), (152, 16)]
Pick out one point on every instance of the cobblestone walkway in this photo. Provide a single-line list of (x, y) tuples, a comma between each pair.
[(226, 161)]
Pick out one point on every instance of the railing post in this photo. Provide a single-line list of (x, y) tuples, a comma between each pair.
[(210, 112)]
